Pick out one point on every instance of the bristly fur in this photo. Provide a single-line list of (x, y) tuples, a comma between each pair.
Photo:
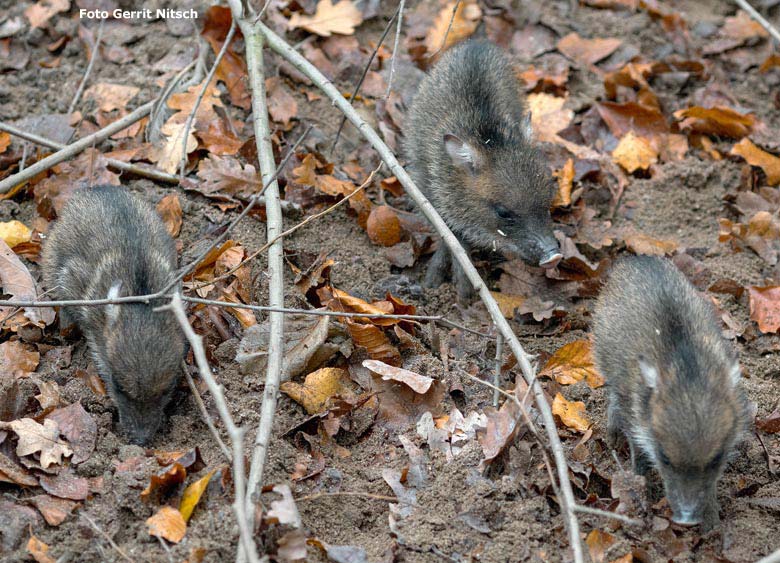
[(472, 100), (109, 243), (672, 381)]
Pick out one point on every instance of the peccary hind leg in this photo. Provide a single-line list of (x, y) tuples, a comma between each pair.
[(438, 270)]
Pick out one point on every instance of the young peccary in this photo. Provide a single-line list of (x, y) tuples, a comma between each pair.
[(469, 144), (108, 243), (673, 382)]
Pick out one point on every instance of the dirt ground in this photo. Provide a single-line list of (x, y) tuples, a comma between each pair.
[(461, 511)]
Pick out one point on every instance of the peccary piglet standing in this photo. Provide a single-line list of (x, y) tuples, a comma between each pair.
[(673, 382), (469, 143), (108, 243)]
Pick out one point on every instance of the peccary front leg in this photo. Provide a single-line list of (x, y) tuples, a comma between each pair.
[(614, 423), (710, 517), (438, 267), (466, 293), (639, 460)]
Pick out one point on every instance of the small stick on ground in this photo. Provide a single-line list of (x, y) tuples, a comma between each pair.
[(607, 514), (499, 363), (759, 18), (75, 148), (110, 541), (395, 47), (315, 496), (199, 99), (205, 413), (236, 434), (95, 50)]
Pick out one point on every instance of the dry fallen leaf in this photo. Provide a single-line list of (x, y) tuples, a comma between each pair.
[(643, 244), (169, 477), (35, 437), (565, 183), (14, 232), (634, 153), (167, 523), (169, 150), (192, 494), (598, 543), (762, 234), (571, 363), (170, 210), (418, 383), (111, 96), (54, 510), (224, 177), (769, 163), (39, 550), (770, 424), (742, 26), (571, 413), (341, 18), (18, 358), (765, 307), (383, 226), (318, 388), (587, 51), (549, 117), (41, 12), (79, 428), (717, 120), (376, 343), (464, 23), (17, 282), (49, 396), (508, 303)]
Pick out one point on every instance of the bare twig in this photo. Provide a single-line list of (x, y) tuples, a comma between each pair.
[(199, 99), (290, 231), (363, 76), (91, 63), (607, 514), (75, 148), (236, 434), (771, 558), (315, 496), (446, 33), (108, 538), (566, 497), (745, 5), (395, 47), (254, 57), (499, 363), (205, 413)]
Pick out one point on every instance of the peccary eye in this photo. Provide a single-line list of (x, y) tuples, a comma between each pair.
[(502, 212), (664, 458)]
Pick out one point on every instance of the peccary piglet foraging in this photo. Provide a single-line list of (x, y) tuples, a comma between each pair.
[(108, 243), (469, 143), (673, 382)]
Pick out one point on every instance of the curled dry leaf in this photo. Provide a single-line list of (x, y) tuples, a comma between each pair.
[(743, 27), (5, 141), (770, 424), (281, 105), (225, 178), (508, 303), (66, 484), (111, 96), (571, 413), (79, 428), (19, 284), (376, 343), (192, 494), (35, 437), (587, 51), (12, 472), (170, 210), (634, 153), (165, 480), (383, 226), (39, 550), (49, 396), (18, 358), (765, 307), (167, 523), (41, 12), (54, 510), (717, 120), (643, 244), (341, 18), (565, 178), (318, 388), (418, 383), (762, 234), (168, 151), (14, 232), (754, 156), (598, 543), (464, 23), (571, 363), (622, 119)]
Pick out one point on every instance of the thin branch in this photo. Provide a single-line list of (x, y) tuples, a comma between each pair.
[(205, 413), (254, 42), (290, 231), (759, 18), (236, 434), (363, 76), (395, 47), (446, 33), (75, 148), (607, 514), (771, 558), (499, 363), (91, 63), (316, 496), (108, 538), (566, 497), (199, 99)]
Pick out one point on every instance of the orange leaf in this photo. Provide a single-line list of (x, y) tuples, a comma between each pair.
[(634, 153), (167, 523), (565, 182), (587, 51), (598, 543), (765, 307), (342, 18), (508, 303), (39, 550), (769, 163), (169, 209), (643, 244), (375, 342), (464, 23), (571, 363), (383, 226), (716, 121), (571, 413)]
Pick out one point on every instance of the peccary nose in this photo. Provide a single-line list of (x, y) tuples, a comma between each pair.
[(686, 517), (550, 260)]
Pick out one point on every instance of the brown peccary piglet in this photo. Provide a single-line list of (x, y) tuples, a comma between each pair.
[(108, 243), (672, 382), (470, 146)]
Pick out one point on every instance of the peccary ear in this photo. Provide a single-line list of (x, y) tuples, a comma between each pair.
[(649, 373), (735, 374), (462, 154), (112, 311)]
